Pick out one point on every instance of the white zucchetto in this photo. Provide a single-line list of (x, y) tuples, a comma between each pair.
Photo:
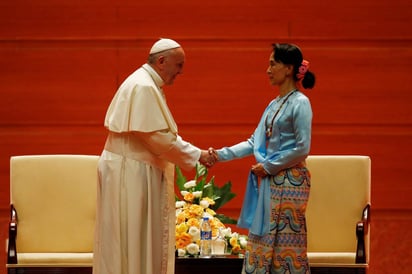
[(164, 44)]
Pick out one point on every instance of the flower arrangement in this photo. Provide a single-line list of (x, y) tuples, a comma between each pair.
[(199, 198)]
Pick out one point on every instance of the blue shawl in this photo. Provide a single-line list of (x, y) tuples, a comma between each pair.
[(255, 213)]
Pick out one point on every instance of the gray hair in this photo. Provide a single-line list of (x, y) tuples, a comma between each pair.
[(153, 57)]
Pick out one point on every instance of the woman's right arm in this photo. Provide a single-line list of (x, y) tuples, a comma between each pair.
[(239, 150)]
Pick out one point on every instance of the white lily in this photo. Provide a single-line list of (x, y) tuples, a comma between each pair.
[(181, 252), (195, 233), (189, 184), (192, 249), (197, 194), (204, 203), (180, 204)]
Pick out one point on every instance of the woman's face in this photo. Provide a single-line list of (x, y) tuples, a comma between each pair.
[(277, 71)]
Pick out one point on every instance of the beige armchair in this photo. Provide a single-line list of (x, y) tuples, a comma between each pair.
[(53, 202), (338, 213)]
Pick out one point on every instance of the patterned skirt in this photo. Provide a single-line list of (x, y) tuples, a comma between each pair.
[(283, 249)]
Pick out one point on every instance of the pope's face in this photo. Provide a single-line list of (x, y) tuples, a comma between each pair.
[(173, 65)]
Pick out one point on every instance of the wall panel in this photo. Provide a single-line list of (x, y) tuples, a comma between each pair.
[(56, 86)]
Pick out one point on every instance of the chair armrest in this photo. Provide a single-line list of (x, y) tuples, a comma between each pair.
[(11, 249), (361, 232)]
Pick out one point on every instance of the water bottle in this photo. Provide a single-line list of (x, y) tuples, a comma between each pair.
[(205, 239)]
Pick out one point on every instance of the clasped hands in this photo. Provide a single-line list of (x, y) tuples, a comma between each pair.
[(208, 157)]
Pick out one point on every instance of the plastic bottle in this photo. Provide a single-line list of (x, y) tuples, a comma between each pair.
[(205, 239)]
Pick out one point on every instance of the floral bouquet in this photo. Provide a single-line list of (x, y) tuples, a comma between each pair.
[(201, 198)]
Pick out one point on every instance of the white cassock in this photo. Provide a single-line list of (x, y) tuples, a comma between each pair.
[(135, 223)]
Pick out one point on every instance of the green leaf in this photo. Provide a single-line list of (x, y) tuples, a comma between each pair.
[(225, 195), (221, 195), (180, 179), (201, 171), (208, 191), (226, 220), (200, 185)]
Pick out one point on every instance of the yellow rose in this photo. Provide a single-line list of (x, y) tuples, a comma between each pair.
[(211, 201), (195, 211), (189, 197), (233, 241), (181, 217), (193, 222), (210, 211), (183, 240), (236, 249), (217, 223), (181, 228)]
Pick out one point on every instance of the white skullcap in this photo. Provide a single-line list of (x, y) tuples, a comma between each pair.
[(164, 44)]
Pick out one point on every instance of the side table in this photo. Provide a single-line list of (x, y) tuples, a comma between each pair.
[(225, 264)]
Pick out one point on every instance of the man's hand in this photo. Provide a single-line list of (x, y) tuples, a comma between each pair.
[(208, 157)]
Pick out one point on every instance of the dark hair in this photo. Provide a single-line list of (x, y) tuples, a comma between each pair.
[(289, 54)]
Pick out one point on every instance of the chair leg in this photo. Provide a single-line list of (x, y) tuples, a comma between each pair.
[(11, 248), (361, 232)]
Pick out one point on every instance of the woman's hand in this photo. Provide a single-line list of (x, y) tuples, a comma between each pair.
[(259, 171)]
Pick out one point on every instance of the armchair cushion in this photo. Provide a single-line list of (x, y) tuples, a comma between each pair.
[(56, 258)]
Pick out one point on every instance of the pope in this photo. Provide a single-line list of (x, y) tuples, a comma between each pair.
[(135, 201)]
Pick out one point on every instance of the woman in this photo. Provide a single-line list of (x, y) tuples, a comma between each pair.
[(274, 210)]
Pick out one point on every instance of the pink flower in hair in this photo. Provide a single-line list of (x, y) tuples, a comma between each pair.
[(303, 69)]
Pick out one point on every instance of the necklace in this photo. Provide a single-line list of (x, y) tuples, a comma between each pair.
[(269, 128)]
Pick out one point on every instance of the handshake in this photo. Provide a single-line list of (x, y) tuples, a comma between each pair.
[(208, 157)]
